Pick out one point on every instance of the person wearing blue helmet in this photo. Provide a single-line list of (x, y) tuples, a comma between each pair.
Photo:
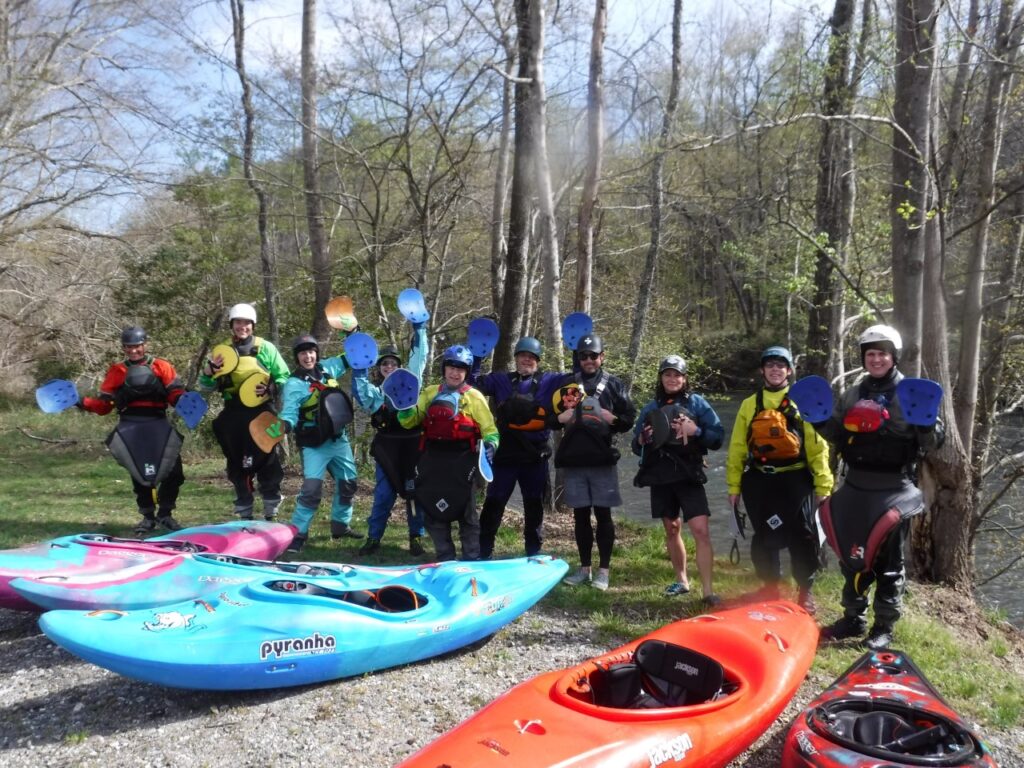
[(522, 400), (456, 423), (779, 465)]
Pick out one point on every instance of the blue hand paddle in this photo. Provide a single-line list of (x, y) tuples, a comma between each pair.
[(483, 336), (813, 398), (360, 351), (402, 389), (56, 395), (575, 327), (191, 407), (412, 307), (919, 399), (483, 466)]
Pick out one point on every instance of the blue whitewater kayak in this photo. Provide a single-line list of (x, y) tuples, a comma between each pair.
[(96, 552), (153, 583), (292, 629)]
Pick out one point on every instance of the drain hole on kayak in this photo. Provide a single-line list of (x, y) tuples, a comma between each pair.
[(392, 598)]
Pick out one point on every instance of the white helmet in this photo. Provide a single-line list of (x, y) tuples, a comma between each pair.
[(242, 312), (877, 334)]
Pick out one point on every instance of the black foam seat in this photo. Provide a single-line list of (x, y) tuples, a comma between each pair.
[(675, 675)]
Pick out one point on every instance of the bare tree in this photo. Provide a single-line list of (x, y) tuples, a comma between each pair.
[(248, 142), (595, 151), (318, 245), (657, 193)]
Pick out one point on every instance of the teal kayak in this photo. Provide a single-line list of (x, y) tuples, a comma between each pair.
[(285, 629)]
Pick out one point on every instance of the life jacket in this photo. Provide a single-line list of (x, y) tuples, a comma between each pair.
[(869, 443), (324, 414), (587, 441), (774, 436), (385, 419), (247, 366), (445, 422), (521, 411), (141, 387)]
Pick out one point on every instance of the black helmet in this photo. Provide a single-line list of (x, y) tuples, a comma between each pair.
[(672, 363), (528, 344), (590, 343), (305, 341), (389, 350), (133, 335)]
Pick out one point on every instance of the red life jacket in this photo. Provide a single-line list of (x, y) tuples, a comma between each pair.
[(444, 421)]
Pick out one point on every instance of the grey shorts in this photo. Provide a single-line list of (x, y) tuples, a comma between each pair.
[(592, 487)]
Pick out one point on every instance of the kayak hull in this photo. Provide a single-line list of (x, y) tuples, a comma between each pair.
[(882, 713), (92, 553), (553, 720), (286, 630)]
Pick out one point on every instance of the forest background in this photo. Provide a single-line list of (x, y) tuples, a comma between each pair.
[(701, 180)]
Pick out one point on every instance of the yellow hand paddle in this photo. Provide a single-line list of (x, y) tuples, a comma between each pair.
[(247, 390), (340, 314), (228, 359), (567, 397), (267, 430)]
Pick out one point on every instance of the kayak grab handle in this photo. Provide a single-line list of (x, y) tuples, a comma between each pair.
[(783, 646)]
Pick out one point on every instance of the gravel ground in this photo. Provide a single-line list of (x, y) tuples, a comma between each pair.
[(58, 711)]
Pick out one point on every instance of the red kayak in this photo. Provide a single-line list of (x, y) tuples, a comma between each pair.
[(882, 713), (696, 692)]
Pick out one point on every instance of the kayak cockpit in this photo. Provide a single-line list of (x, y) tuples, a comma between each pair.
[(890, 730), (299, 569), (657, 679), (391, 598), (166, 545)]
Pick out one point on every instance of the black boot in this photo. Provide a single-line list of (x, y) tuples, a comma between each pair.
[(879, 638), (343, 531), (844, 629)]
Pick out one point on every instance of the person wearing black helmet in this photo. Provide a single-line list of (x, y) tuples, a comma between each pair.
[(394, 448), (780, 466), (456, 423), (672, 465), (878, 495), (245, 462), (317, 411), (141, 387), (522, 400), (587, 453)]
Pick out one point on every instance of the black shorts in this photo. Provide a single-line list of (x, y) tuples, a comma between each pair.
[(687, 499)]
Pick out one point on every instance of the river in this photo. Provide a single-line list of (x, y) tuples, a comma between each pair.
[(991, 553)]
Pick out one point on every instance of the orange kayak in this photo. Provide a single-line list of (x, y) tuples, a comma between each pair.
[(695, 692)]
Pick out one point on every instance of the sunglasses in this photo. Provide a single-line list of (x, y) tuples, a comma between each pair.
[(775, 364), (589, 355)]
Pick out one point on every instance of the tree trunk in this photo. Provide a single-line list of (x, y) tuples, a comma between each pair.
[(248, 140), (499, 246), (833, 203), (319, 255), (595, 151), (910, 213), (657, 195)]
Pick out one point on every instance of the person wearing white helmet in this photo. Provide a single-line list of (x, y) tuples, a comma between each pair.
[(879, 493), (780, 466), (245, 461), (674, 470)]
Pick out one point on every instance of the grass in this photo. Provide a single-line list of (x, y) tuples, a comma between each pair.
[(56, 478)]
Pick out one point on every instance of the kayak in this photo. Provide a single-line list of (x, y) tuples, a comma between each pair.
[(153, 583), (882, 712), (96, 552), (284, 630), (695, 692)]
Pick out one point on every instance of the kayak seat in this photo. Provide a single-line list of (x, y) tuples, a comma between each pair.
[(618, 686), (392, 598), (877, 729), (677, 676)]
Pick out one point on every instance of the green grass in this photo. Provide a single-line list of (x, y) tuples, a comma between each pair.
[(71, 485)]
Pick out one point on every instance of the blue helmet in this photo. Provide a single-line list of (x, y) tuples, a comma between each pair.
[(457, 355), (528, 344), (779, 353)]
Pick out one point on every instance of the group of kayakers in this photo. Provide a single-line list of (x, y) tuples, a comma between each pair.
[(429, 451)]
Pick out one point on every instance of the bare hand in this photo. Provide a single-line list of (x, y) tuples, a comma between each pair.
[(566, 416)]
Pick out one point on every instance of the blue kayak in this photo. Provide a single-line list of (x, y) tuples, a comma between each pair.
[(287, 629), (153, 583)]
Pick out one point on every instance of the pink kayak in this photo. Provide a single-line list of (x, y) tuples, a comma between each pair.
[(90, 553)]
